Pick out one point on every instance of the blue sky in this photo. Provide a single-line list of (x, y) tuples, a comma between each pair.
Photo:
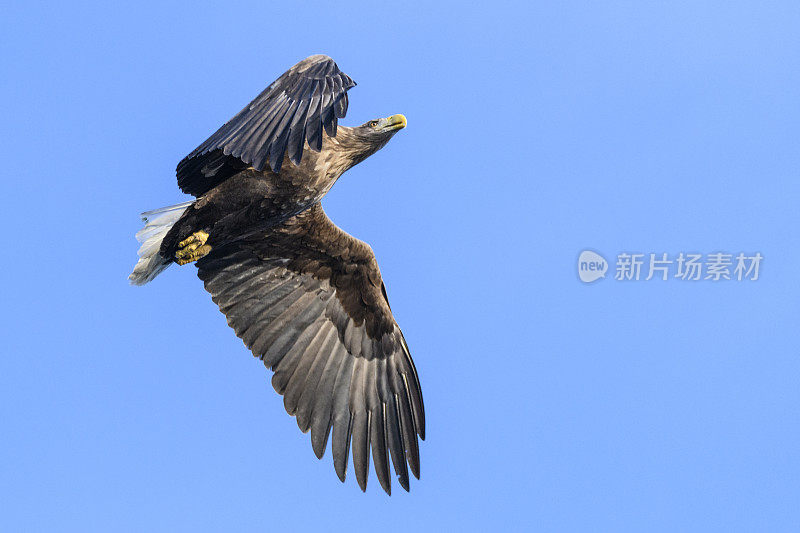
[(536, 130)]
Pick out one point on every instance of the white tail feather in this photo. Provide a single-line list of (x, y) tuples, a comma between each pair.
[(157, 223)]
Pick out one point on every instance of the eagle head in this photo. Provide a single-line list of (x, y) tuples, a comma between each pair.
[(362, 141)]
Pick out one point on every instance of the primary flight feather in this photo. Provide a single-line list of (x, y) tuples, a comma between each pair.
[(304, 296)]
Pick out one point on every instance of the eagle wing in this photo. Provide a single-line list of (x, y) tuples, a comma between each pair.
[(308, 299), (308, 97)]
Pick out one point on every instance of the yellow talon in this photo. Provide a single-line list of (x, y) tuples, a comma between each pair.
[(192, 248), (199, 236)]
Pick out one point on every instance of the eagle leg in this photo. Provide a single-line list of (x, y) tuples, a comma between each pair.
[(192, 248)]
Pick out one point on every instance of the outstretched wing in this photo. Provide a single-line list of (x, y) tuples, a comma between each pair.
[(308, 299), (308, 97)]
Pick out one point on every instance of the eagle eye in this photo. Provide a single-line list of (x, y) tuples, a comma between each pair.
[(372, 123)]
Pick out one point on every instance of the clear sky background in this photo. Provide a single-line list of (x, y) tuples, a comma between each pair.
[(536, 130)]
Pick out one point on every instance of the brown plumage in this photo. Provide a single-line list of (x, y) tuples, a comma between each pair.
[(304, 296)]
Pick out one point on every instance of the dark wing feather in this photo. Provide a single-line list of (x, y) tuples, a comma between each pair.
[(308, 299), (308, 97)]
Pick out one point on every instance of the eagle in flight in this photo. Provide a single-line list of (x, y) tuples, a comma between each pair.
[(304, 296)]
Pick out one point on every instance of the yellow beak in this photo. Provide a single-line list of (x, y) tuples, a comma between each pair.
[(396, 122)]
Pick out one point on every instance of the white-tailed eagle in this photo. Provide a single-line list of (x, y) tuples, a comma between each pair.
[(303, 295)]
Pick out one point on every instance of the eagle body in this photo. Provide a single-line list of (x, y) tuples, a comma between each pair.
[(304, 296), (262, 198)]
